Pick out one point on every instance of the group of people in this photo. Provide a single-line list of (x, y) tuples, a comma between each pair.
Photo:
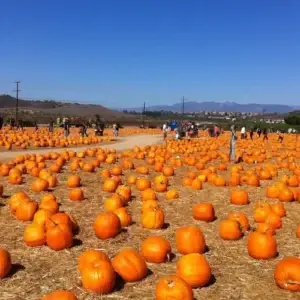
[(258, 131)]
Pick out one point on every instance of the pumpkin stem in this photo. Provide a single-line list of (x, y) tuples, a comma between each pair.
[(171, 283)]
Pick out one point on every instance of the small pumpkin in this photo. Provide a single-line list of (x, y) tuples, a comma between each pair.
[(60, 295), (34, 235), (76, 194), (239, 197), (59, 237), (153, 218), (124, 216), (74, 181)]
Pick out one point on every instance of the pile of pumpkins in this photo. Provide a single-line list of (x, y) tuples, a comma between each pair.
[(99, 272)]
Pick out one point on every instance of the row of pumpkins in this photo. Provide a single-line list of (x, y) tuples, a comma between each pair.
[(98, 272), (43, 138)]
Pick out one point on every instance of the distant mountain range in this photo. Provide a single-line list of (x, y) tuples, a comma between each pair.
[(191, 106)]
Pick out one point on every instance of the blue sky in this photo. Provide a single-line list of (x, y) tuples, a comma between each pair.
[(121, 53)]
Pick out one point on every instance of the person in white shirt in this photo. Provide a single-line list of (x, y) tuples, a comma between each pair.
[(243, 133), (165, 131)]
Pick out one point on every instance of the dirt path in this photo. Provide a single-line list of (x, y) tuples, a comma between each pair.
[(123, 143)]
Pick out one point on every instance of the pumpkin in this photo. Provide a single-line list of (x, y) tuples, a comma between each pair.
[(107, 225), (156, 249), (74, 181), (40, 185), (204, 212), (5, 263), (265, 228), (239, 197), (173, 287), (26, 210), (153, 218), (109, 185), (98, 277), (168, 171), (124, 192), (261, 212), (172, 194), (196, 184), (287, 274), (194, 270), (59, 237), (76, 194), (142, 184), (241, 218), (16, 199), (278, 209), (130, 265), (124, 216), (230, 230), (261, 245), (274, 220), (272, 192), (89, 256), (148, 194), (41, 216), (34, 235), (49, 204), (60, 295), (149, 204), (286, 195), (190, 239)]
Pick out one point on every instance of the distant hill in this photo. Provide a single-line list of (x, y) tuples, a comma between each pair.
[(190, 106), (57, 108)]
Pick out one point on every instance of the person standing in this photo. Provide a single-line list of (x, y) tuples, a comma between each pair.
[(115, 131), (243, 133), (251, 133), (258, 132), (165, 131), (265, 133), (36, 127), (51, 125), (232, 143), (66, 127), (1, 122)]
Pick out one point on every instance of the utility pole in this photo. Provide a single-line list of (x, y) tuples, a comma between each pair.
[(17, 97), (143, 114), (182, 108)]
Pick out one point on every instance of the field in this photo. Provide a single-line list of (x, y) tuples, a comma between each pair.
[(202, 174)]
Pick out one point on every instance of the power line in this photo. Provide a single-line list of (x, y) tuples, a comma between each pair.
[(182, 108), (17, 97)]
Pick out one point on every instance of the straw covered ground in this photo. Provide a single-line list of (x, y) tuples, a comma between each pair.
[(38, 271)]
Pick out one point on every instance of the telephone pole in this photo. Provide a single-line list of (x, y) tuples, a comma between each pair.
[(143, 114), (17, 97), (182, 108)]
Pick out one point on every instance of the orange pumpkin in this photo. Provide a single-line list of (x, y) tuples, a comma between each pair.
[(230, 230), (153, 218), (5, 263), (156, 249), (130, 265), (60, 295), (190, 240), (107, 225), (239, 197), (89, 256), (194, 270), (204, 212)]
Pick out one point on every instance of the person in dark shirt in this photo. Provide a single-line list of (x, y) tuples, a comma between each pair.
[(66, 127), (1, 122), (251, 133), (51, 126), (265, 133)]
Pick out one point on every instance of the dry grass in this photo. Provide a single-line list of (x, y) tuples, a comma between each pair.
[(38, 271)]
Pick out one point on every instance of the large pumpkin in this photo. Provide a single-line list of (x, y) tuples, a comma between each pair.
[(99, 277), (153, 218), (130, 265), (287, 274), (190, 240), (156, 249), (230, 230), (204, 212), (89, 256), (59, 237), (261, 245), (194, 269), (107, 225), (173, 287), (5, 262)]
